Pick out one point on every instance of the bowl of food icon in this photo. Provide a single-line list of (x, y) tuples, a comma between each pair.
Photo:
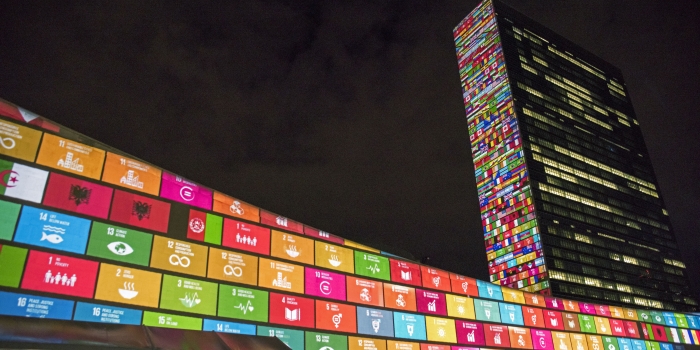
[(127, 294), (292, 253)]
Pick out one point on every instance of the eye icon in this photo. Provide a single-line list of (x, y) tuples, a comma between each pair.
[(120, 248)]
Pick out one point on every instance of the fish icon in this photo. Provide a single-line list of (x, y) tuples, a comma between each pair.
[(53, 238)]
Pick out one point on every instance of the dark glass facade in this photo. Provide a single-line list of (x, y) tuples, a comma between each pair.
[(569, 200)]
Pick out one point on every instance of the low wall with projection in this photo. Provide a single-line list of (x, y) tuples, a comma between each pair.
[(88, 233)]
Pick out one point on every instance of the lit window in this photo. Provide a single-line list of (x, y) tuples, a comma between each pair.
[(591, 70), (540, 61)]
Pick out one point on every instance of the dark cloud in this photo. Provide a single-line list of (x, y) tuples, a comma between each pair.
[(346, 116)]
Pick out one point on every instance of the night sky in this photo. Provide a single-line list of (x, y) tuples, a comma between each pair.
[(346, 116)]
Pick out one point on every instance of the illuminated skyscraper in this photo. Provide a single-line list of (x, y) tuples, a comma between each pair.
[(569, 201)]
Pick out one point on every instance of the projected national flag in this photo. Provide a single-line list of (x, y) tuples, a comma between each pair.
[(22, 182), (79, 196)]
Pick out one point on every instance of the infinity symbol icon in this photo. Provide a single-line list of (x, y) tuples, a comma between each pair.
[(236, 271), (10, 143), (182, 261)]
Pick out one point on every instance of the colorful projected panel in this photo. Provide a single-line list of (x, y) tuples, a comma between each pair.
[(409, 326), (176, 188), (281, 276), (70, 156), (399, 297), (342, 294), (364, 291), (129, 286), (294, 339), (22, 182), (324, 284), (322, 341), (132, 174), (243, 303), (375, 322), (507, 211), (245, 236), (119, 243), (89, 312), (291, 310), (18, 141), (140, 211), (163, 320), (9, 212), (232, 267), (335, 317), (54, 273), (52, 230), (281, 222), (227, 205), (372, 265), (292, 247), (25, 305), (179, 256), (188, 295), (334, 257), (405, 272), (11, 265), (228, 327), (205, 227)]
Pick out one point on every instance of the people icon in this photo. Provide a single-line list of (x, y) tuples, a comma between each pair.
[(246, 240), (59, 279)]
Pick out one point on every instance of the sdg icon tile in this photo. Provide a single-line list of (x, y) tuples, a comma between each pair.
[(128, 285), (372, 265), (243, 303), (334, 257), (292, 247), (375, 322), (132, 174), (70, 156), (281, 276), (89, 312), (291, 310), (181, 190), (53, 273), (232, 267), (335, 317), (294, 339), (324, 284), (52, 230), (357, 343), (179, 256), (441, 329), (409, 326), (119, 244), (363, 291), (188, 295), (399, 297), (18, 141), (228, 327), (25, 305), (226, 205), (323, 341), (159, 319)]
